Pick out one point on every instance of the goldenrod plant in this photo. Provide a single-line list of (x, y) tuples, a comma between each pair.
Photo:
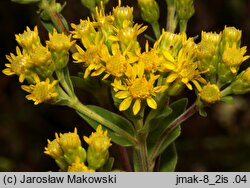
[(143, 78)]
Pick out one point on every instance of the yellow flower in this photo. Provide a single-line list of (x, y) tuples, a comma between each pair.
[(42, 91), (233, 56), (59, 41), (99, 140), (185, 68), (18, 65), (150, 59), (128, 36), (40, 56), (79, 166), (69, 141), (101, 20), (91, 57), (123, 16), (210, 93), (137, 88), (84, 30), (54, 149), (115, 64), (28, 38)]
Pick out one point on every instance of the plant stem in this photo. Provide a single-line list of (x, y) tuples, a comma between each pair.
[(183, 25), (78, 106), (183, 117), (142, 153), (156, 29), (171, 18)]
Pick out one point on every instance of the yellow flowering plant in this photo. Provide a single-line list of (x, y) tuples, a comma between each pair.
[(139, 78)]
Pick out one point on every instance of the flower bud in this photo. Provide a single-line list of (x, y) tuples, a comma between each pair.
[(90, 4), (123, 16), (241, 85), (208, 53), (71, 146), (210, 93), (28, 39), (184, 9), (97, 153), (59, 42), (149, 10), (231, 35), (55, 151), (171, 42)]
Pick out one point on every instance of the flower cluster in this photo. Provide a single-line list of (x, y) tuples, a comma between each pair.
[(68, 153), (110, 48), (221, 56), (36, 63)]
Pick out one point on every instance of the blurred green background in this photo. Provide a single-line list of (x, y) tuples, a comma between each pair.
[(220, 142)]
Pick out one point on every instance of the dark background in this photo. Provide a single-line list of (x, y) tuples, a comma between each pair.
[(220, 142)]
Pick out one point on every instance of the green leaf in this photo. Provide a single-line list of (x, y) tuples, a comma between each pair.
[(228, 99), (178, 108), (170, 139), (48, 25), (116, 119), (168, 159)]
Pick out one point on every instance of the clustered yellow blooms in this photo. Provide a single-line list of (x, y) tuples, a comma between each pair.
[(110, 48), (67, 151), (36, 63)]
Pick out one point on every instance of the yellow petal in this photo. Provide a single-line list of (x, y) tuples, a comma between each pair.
[(137, 106), (125, 104), (122, 94), (151, 103), (168, 56), (171, 78)]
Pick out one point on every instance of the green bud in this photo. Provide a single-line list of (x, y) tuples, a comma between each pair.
[(225, 75), (208, 53), (231, 35), (184, 9), (149, 10), (71, 155), (90, 4), (171, 42), (241, 85), (123, 16), (95, 159)]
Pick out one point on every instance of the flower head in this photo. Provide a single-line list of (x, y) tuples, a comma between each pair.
[(137, 88), (233, 56), (59, 42), (79, 166), (69, 141), (19, 65), (210, 93), (42, 91), (54, 149), (28, 38), (185, 68), (123, 16), (99, 140), (90, 58)]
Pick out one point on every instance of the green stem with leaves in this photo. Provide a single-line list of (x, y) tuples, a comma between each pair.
[(183, 117)]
